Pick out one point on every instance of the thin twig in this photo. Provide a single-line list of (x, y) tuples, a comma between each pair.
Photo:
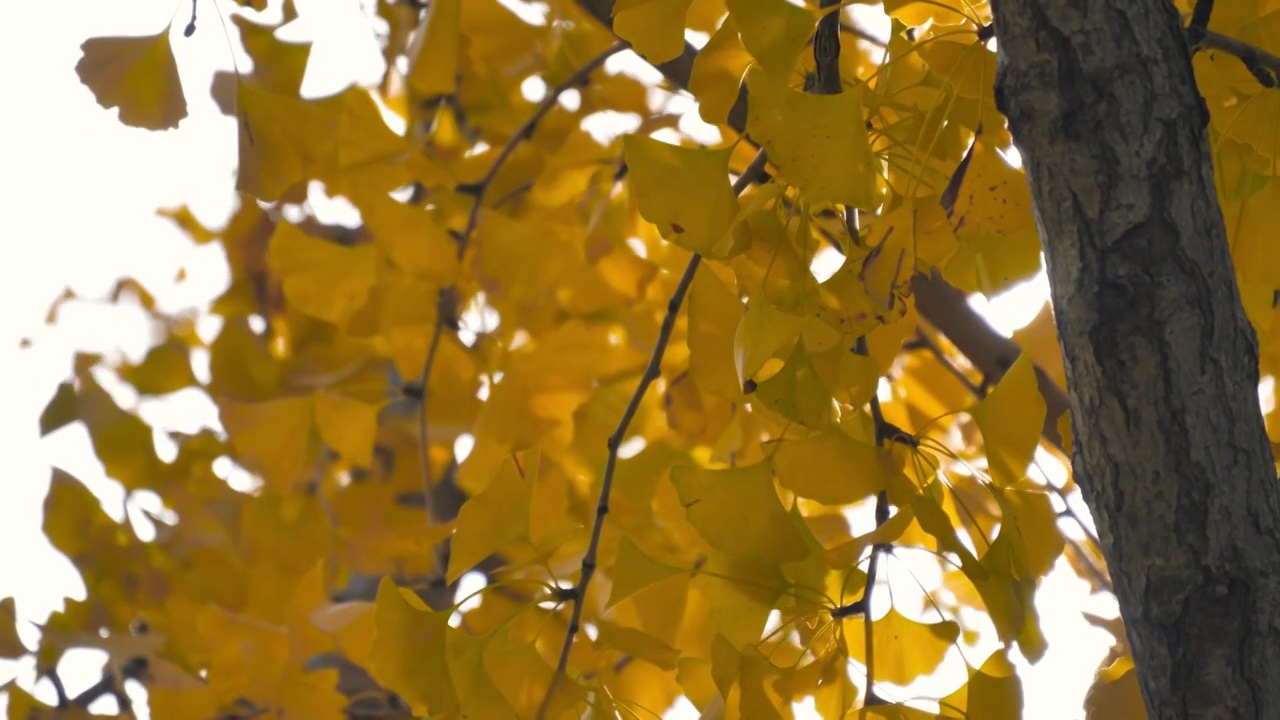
[(578, 594), (579, 77), (883, 433), (446, 314)]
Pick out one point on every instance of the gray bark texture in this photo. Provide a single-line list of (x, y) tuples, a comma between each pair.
[(1169, 444)]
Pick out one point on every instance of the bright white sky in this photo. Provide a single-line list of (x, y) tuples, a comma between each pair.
[(79, 198)]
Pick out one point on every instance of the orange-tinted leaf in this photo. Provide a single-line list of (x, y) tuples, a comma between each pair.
[(61, 410), (322, 278), (437, 50), (139, 75), (10, 645), (655, 28), (273, 439)]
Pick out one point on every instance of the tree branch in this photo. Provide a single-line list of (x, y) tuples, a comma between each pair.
[(1264, 66), (447, 304), (651, 372)]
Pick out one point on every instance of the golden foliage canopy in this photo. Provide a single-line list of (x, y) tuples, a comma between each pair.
[(670, 398)]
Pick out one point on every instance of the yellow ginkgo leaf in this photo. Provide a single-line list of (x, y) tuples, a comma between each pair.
[(322, 278), (347, 425), (685, 192), (282, 140), (638, 644), (477, 692), (957, 54), (271, 438), (492, 520), (717, 73), (634, 571), (1008, 591), (1030, 510), (989, 205), (888, 269), (436, 50), (818, 142), (278, 65), (738, 512), (341, 140), (139, 75), (741, 593), (774, 32), (165, 369), (830, 467), (763, 331), (929, 643), (714, 311), (1011, 417), (412, 237), (994, 691), (408, 654), (121, 439), (517, 668), (850, 377), (797, 393), (655, 28), (10, 645)]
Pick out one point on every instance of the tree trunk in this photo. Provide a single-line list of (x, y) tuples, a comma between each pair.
[(1162, 367)]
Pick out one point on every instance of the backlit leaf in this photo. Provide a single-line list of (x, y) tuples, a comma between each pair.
[(818, 142), (797, 393), (1011, 417), (633, 571), (685, 192), (928, 644), (738, 512), (830, 467), (773, 31)]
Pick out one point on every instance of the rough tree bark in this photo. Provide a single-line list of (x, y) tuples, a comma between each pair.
[(1170, 448)]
